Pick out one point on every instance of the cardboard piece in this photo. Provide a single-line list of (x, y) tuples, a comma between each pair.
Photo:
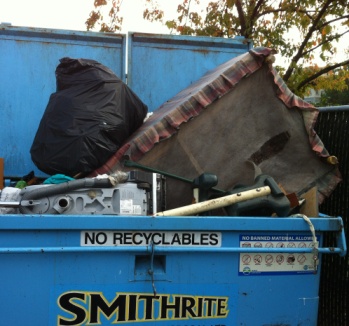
[(311, 206)]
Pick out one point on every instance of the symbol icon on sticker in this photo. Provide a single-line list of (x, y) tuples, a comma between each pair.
[(291, 259), (246, 259), (301, 259), (257, 259), (246, 271), (279, 259), (269, 259)]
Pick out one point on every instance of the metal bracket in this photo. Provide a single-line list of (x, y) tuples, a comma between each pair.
[(151, 269)]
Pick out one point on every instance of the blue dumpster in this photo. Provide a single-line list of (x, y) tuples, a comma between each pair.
[(141, 270), (95, 269)]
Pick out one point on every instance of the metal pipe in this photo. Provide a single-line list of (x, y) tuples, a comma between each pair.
[(333, 108), (216, 203), (166, 174), (9, 204), (154, 193), (164, 249)]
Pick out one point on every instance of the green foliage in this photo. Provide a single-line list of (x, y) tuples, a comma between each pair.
[(304, 32), (338, 92), (333, 97)]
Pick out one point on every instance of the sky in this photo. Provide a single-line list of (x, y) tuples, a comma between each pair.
[(72, 14)]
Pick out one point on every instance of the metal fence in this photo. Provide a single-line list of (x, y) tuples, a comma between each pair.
[(333, 128)]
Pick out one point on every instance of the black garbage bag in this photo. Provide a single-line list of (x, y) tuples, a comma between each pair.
[(86, 120)]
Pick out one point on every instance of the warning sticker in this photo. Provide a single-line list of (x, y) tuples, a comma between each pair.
[(286, 262), (147, 238), (128, 207)]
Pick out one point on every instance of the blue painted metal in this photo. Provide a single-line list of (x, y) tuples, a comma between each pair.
[(28, 59), (161, 66), (68, 222), (8, 250), (43, 259), (333, 108)]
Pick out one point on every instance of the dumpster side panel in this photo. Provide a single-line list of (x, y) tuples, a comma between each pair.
[(161, 66), (44, 279), (63, 271), (28, 59)]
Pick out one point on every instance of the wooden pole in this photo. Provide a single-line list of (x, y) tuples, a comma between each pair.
[(216, 203)]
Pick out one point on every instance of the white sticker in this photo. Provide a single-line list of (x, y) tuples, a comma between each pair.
[(126, 206), (259, 263), (137, 209), (147, 238)]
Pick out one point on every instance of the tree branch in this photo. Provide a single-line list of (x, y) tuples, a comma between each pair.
[(334, 20), (256, 9), (320, 73), (311, 30), (241, 17), (330, 39)]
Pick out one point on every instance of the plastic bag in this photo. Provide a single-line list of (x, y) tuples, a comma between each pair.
[(86, 120)]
